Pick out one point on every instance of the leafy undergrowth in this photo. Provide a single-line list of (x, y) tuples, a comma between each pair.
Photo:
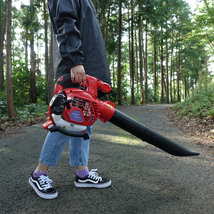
[(195, 116), (29, 115)]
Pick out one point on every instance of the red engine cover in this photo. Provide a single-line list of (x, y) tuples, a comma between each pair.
[(84, 110)]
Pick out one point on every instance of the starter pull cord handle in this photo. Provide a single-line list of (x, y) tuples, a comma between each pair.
[(84, 135)]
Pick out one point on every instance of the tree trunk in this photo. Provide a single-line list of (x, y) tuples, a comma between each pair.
[(178, 78), (9, 88), (185, 80), (119, 87), (155, 68), (142, 101), (167, 73), (132, 55), (107, 21), (136, 60), (26, 53), (51, 70), (46, 38), (206, 74), (175, 73), (171, 80), (113, 73), (162, 74), (1, 53), (145, 64), (185, 86), (171, 71), (33, 95)]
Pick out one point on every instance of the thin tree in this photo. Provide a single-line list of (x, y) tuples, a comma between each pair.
[(145, 65), (46, 37), (171, 70), (167, 71), (1, 51), (51, 70), (145, 56), (140, 44), (132, 54), (161, 68), (33, 95), (9, 88), (136, 58), (107, 22), (178, 72), (119, 87), (155, 69), (142, 100)]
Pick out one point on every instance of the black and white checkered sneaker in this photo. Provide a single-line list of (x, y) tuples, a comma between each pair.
[(92, 180), (42, 187)]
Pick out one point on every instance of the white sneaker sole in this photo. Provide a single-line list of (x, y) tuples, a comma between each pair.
[(42, 195), (104, 185)]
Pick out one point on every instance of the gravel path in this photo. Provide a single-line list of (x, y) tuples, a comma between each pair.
[(144, 178)]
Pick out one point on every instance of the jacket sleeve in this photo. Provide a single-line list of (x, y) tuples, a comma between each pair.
[(64, 19)]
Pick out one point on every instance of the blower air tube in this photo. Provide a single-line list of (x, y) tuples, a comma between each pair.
[(84, 135), (150, 136)]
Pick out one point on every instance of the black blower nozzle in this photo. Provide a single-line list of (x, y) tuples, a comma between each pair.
[(150, 136)]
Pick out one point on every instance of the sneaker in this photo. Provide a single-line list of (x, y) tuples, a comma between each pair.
[(42, 187), (92, 180)]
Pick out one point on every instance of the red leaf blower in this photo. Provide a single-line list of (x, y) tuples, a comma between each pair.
[(71, 110)]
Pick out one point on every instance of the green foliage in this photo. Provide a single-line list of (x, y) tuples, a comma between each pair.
[(21, 93), (3, 103), (25, 112), (27, 115), (199, 105), (113, 96), (3, 108), (21, 84), (168, 21), (41, 90), (30, 111)]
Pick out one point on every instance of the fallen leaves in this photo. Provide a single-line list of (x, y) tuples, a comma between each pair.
[(200, 130)]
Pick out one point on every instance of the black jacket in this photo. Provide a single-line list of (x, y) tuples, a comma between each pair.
[(79, 38)]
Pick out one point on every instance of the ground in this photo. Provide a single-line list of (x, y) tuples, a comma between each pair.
[(144, 178), (10, 127), (201, 134)]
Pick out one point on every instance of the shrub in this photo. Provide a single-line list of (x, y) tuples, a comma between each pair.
[(200, 104)]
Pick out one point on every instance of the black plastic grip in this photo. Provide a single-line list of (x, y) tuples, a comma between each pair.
[(64, 79), (84, 135)]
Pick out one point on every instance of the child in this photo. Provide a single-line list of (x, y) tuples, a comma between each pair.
[(81, 51)]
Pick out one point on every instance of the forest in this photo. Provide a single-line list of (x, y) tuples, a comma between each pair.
[(159, 51)]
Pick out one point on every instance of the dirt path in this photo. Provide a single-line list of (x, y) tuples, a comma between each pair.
[(144, 178)]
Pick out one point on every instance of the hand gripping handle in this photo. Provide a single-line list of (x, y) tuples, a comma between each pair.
[(92, 84)]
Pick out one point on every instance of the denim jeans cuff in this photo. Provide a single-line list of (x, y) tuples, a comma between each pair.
[(79, 164), (47, 164)]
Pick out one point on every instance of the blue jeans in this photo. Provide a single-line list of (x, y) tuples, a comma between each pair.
[(55, 143)]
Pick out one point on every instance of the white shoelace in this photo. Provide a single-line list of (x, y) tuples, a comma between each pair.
[(45, 182), (93, 175)]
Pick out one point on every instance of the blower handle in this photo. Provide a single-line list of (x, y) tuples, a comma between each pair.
[(84, 135), (92, 84)]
